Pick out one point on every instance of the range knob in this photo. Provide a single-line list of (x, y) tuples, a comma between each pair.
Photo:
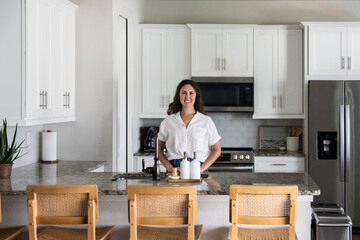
[(235, 156), (241, 157), (247, 157)]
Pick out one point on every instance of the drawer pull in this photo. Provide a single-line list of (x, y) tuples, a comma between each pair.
[(279, 164)]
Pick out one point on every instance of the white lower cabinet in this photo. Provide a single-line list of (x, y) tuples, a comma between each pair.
[(148, 162), (279, 164)]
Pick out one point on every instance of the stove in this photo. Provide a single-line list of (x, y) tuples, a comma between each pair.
[(234, 159)]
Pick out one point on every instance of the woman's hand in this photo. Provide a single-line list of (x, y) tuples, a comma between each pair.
[(163, 159), (215, 153)]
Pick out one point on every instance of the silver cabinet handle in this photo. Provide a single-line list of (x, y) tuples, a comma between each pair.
[(348, 143), (41, 99), (349, 63), (278, 164), (342, 143), (65, 100), (274, 102), (46, 101), (281, 102), (224, 64), (342, 62)]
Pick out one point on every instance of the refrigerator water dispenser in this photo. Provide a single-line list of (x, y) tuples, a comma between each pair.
[(327, 145)]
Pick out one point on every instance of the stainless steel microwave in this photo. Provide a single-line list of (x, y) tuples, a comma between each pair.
[(227, 94)]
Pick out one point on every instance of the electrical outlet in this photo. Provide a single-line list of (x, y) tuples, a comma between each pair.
[(28, 139)]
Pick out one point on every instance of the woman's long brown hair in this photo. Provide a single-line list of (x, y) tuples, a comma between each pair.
[(176, 106)]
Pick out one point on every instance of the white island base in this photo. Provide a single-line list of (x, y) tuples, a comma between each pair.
[(213, 213)]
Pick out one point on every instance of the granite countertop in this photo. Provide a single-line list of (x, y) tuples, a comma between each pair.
[(78, 172)]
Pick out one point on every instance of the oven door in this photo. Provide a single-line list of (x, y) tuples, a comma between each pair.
[(231, 167)]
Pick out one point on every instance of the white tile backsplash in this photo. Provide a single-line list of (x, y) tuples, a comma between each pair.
[(238, 129)]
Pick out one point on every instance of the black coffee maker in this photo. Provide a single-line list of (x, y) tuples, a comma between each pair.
[(147, 143)]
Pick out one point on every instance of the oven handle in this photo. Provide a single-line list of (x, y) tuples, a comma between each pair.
[(232, 168)]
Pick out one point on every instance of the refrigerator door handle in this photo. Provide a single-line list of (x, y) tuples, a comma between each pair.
[(347, 143), (342, 143)]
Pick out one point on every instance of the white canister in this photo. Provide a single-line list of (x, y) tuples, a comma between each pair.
[(185, 169), (195, 168), (292, 143)]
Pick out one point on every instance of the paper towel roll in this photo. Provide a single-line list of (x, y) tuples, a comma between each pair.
[(48, 140)]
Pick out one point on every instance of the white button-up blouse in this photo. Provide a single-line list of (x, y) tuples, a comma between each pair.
[(198, 137)]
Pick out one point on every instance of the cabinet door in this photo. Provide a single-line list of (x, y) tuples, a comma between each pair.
[(237, 59), (266, 72), (290, 72), (353, 60), (327, 50), (206, 52), (154, 71), (32, 62), (177, 60), (63, 61), (48, 45)]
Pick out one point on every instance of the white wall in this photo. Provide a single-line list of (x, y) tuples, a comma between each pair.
[(251, 12), (89, 138)]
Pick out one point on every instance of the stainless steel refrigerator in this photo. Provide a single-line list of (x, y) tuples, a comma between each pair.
[(334, 143)]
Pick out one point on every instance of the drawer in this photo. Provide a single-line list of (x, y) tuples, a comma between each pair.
[(279, 164)]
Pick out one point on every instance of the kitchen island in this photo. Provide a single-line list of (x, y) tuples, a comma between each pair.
[(213, 194)]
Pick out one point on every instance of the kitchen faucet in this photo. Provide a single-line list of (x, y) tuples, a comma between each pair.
[(156, 169)]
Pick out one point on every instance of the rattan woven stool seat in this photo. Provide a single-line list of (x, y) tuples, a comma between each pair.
[(56, 233), (11, 233), (166, 233), (262, 234)]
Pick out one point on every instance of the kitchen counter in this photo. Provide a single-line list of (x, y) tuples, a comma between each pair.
[(78, 172), (213, 194)]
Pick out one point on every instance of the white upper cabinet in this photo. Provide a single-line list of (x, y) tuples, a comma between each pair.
[(353, 50), (47, 61), (334, 49), (165, 62), (278, 85), (222, 50)]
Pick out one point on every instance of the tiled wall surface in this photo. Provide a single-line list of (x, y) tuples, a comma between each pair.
[(238, 129)]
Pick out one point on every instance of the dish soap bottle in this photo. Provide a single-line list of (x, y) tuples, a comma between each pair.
[(195, 168), (185, 168)]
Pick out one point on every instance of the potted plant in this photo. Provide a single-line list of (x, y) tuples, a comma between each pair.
[(8, 153)]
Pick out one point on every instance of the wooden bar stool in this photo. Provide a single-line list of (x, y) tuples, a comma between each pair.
[(14, 233), (263, 205), (65, 205), (163, 205)]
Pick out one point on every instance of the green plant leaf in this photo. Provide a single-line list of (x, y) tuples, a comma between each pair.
[(9, 154)]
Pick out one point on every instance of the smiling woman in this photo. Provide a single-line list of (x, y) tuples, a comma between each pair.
[(188, 129)]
